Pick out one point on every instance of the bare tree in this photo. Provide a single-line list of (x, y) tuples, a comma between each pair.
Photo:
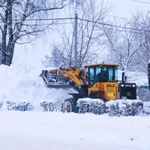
[(16, 18), (143, 55), (89, 16), (123, 45)]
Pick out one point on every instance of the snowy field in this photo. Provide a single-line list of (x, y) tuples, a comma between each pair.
[(58, 131)]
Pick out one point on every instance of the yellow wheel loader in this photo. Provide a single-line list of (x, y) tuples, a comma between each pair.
[(96, 85)]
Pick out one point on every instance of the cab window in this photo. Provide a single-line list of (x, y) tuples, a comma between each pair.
[(91, 73)]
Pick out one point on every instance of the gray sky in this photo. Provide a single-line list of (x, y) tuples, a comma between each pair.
[(124, 8)]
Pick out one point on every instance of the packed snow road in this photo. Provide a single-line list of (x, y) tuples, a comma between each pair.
[(58, 131), (24, 142)]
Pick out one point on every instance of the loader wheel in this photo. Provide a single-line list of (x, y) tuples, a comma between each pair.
[(69, 105)]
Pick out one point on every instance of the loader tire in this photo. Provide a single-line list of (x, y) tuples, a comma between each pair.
[(69, 105)]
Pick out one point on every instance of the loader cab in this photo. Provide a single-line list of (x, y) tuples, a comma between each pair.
[(103, 81), (102, 73)]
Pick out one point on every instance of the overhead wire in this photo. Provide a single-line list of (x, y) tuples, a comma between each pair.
[(112, 25), (139, 1), (81, 19), (92, 21)]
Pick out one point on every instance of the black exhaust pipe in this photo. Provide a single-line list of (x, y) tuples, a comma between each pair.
[(124, 77)]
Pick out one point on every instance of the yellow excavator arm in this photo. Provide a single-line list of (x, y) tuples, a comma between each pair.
[(74, 74), (77, 76)]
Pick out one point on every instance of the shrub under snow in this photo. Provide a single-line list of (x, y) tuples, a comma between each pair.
[(124, 107), (19, 106), (95, 106)]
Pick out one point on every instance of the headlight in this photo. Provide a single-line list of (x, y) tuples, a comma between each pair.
[(122, 85)]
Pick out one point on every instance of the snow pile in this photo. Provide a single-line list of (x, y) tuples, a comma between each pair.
[(22, 89)]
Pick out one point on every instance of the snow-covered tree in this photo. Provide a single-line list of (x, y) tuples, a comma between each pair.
[(142, 58), (89, 14), (19, 20), (123, 45)]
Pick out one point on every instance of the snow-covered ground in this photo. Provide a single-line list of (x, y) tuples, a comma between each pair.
[(36, 130), (58, 131)]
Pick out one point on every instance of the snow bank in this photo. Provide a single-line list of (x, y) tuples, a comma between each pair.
[(21, 85)]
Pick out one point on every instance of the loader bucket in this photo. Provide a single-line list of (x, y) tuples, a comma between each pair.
[(54, 79)]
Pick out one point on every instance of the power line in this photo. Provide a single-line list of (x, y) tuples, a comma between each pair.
[(48, 19), (87, 20), (141, 2), (45, 24), (112, 25)]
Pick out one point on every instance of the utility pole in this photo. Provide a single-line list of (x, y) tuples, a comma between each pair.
[(75, 38), (76, 34), (149, 75)]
